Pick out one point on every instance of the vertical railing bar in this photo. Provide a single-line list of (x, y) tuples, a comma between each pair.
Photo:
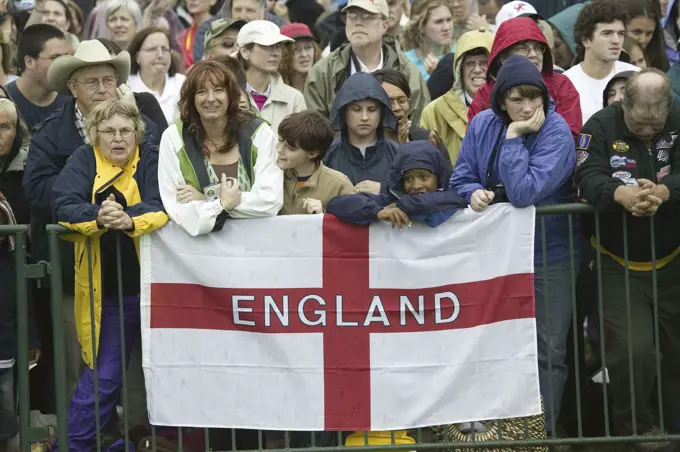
[(629, 323), (546, 302), (206, 431), (574, 325), (259, 440), (56, 300), (313, 438), (286, 439), (121, 319), (233, 439), (365, 437), (419, 435), (600, 308), (153, 438), (180, 439), (392, 438), (22, 336), (97, 414), (655, 305)]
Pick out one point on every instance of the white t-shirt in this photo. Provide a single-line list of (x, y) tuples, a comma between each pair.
[(168, 99), (591, 90)]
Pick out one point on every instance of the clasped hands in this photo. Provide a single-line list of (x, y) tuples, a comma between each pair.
[(643, 199), (112, 216)]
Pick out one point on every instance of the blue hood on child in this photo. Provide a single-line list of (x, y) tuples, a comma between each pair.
[(412, 155), (361, 86), (516, 71)]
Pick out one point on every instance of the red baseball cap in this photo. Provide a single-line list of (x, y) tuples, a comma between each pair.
[(296, 31)]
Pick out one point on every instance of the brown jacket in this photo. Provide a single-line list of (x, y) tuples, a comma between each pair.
[(324, 184)]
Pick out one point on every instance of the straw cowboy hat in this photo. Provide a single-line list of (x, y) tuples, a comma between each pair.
[(89, 53)]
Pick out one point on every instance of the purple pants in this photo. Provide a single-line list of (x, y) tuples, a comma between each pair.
[(81, 412)]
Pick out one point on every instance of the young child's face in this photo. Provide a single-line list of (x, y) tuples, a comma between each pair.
[(363, 117), (419, 180), (521, 108), (292, 157)]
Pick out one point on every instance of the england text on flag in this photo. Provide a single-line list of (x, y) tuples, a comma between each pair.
[(306, 323)]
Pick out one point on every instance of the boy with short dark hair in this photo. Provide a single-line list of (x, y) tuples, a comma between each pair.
[(308, 184), (415, 189)]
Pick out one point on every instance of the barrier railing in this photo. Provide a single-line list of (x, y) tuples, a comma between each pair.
[(212, 439)]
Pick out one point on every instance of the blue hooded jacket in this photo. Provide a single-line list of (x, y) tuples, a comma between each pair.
[(432, 208), (344, 157), (535, 169)]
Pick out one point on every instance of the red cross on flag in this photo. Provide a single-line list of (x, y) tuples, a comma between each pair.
[(306, 323)]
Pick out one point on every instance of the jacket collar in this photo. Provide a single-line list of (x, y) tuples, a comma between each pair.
[(313, 180), (19, 161), (278, 91)]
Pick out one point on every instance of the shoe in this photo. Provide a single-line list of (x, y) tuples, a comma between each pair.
[(656, 446)]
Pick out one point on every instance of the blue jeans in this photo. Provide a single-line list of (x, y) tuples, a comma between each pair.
[(81, 412), (8, 413), (558, 306)]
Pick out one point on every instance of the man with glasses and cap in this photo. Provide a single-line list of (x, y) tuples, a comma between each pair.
[(91, 76), (369, 49)]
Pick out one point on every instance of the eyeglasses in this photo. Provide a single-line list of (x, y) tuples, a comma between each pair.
[(400, 101), (525, 50), (110, 134), (158, 49), (360, 17), (93, 83), (471, 65)]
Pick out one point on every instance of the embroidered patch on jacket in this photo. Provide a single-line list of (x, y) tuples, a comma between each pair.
[(583, 141), (620, 146), (662, 156), (663, 172), (581, 156), (619, 161)]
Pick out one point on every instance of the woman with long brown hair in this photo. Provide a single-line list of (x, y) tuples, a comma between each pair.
[(218, 161), (644, 27), (298, 57)]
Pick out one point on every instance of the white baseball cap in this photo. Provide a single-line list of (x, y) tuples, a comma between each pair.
[(514, 9), (261, 32), (372, 6)]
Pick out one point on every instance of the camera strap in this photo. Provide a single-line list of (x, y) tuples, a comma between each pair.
[(494, 157)]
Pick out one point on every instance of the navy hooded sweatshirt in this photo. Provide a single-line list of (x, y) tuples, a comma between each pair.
[(432, 208), (534, 169), (344, 157)]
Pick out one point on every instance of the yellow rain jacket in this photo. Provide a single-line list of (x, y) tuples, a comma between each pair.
[(84, 183), (448, 114)]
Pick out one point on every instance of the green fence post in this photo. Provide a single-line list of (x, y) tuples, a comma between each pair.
[(22, 332), (58, 335)]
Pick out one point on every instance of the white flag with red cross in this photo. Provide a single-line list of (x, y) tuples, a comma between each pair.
[(307, 323)]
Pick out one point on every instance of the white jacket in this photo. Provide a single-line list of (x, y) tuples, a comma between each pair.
[(283, 100), (264, 199)]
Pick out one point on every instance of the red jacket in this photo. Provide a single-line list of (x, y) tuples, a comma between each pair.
[(567, 101)]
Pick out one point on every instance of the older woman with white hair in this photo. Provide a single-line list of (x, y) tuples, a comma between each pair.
[(108, 194), (123, 19)]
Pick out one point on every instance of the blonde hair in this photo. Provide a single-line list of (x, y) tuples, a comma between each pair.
[(420, 13), (10, 108), (107, 110)]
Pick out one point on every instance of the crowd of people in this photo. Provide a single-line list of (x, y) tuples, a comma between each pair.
[(117, 116)]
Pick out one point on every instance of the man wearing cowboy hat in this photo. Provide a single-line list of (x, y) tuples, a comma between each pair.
[(91, 76)]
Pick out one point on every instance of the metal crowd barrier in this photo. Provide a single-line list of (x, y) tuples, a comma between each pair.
[(284, 440)]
